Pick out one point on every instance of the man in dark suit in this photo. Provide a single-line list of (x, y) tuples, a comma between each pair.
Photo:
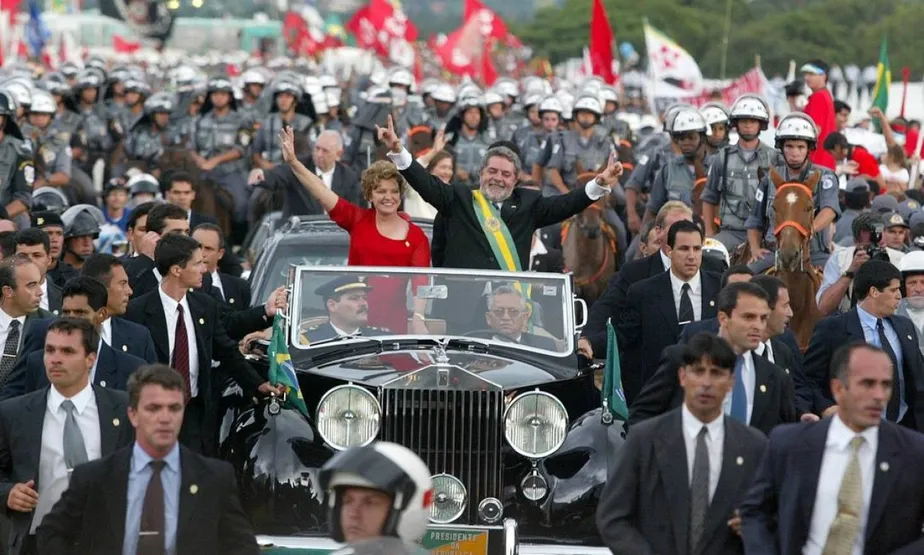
[(230, 290), (189, 333), (659, 501), (656, 309), (877, 286), (593, 336), (181, 192), (507, 315), (846, 484), (155, 496), (45, 434), (35, 244), (763, 396), (19, 308), (162, 220), (498, 209), (325, 163), (85, 298)]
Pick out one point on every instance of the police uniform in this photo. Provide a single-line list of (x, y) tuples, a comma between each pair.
[(65, 125), (675, 181), (647, 167), (17, 171), (215, 135), (94, 131), (52, 154), (145, 144), (616, 126), (578, 155), (501, 129), (734, 175), (266, 143), (762, 215), (127, 119), (523, 135), (538, 151), (470, 153), (334, 288), (182, 129)]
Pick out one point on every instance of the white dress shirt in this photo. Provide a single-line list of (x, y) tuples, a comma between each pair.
[(5, 321), (327, 177), (749, 377), (715, 444), (537, 248), (833, 465), (157, 275), (44, 302), (666, 260), (696, 294), (171, 311), (105, 332), (53, 476), (95, 364), (769, 348), (216, 282)]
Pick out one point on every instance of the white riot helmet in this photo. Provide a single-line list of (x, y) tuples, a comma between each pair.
[(797, 125), (750, 106), (551, 104), (444, 93), (912, 263), (715, 249), (401, 77), (608, 94), (43, 103), (687, 120), (671, 113), (507, 88), (391, 469), (714, 113), (492, 97), (21, 92), (253, 77), (588, 103)]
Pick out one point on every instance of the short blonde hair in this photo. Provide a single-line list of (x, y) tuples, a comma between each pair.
[(378, 172), (671, 206)]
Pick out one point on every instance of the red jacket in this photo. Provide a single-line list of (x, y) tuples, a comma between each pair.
[(820, 108), (866, 162)]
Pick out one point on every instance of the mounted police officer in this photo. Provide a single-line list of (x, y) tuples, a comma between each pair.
[(52, 154), (717, 121), (96, 135), (444, 100), (252, 104), (20, 90), (796, 137), (466, 132), (542, 143), (17, 172), (66, 120), (585, 149), (82, 225), (186, 114), (500, 125), (289, 109), (735, 173), (531, 123), (136, 93), (148, 137), (677, 178), (219, 143), (611, 121)]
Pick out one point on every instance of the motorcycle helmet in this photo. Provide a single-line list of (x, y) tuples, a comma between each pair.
[(82, 220), (49, 199)]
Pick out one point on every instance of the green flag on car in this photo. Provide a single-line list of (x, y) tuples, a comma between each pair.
[(281, 370), (614, 398)]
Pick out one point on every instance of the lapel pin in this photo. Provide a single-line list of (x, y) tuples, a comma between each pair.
[(884, 466), (201, 321), (56, 312), (763, 389), (711, 303), (787, 370), (125, 348), (739, 461), (909, 337), (115, 422), (194, 489), (102, 383), (231, 301)]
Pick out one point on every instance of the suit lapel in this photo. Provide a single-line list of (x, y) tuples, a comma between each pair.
[(190, 486), (709, 290), (854, 329), (33, 421), (157, 323), (109, 423), (763, 376), (106, 367), (116, 492), (665, 301), (887, 457), (197, 312), (807, 457), (674, 473), (121, 342), (726, 491)]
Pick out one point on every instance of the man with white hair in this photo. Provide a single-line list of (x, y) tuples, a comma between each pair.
[(912, 305), (325, 162)]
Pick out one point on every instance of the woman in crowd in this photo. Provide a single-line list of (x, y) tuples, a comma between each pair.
[(894, 169), (379, 236)]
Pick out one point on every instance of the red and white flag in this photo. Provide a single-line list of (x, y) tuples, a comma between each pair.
[(459, 53), (376, 25), (491, 26), (668, 61), (125, 46)]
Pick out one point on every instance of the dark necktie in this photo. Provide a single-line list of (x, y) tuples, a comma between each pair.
[(151, 534), (699, 490), (10, 352), (181, 350), (765, 354), (892, 409), (685, 314), (739, 403)]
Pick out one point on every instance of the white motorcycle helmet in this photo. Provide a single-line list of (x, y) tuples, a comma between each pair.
[(588, 103), (551, 104), (750, 106), (687, 120), (714, 113), (43, 103), (391, 469), (797, 125)]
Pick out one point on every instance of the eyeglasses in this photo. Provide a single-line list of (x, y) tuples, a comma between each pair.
[(512, 312)]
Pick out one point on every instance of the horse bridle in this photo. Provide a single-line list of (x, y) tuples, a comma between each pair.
[(803, 231)]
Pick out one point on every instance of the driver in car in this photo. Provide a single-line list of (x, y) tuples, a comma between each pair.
[(507, 315), (347, 310)]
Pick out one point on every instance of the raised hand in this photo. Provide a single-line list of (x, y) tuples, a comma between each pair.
[(388, 137), (287, 144), (612, 173)]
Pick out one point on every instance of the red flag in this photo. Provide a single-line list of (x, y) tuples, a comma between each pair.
[(418, 66), (488, 72), (459, 53), (492, 26), (601, 44), (377, 24), (124, 46)]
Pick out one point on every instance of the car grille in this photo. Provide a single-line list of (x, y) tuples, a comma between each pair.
[(457, 432)]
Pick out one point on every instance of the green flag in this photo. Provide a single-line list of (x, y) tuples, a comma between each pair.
[(281, 370), (883, 81), (614, 398)]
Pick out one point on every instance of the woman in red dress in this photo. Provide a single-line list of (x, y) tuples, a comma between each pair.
[(379, 236)]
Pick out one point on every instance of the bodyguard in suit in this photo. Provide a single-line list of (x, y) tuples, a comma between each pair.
[(155, 496), (877, 285), (763, 396), (162, 220), (230, 290), (189, 333), (45, 434), (678, 479), (656, 309), (492, 228), (85, 298), (35, 244), (19, 306), (847, 484)]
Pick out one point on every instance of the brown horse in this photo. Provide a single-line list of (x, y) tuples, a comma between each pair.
[(419, 140), (210, 198), (699, 183), (794, 210), (589, 248)]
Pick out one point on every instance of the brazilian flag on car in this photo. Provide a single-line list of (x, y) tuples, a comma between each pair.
[(614, 398), (281, 370)]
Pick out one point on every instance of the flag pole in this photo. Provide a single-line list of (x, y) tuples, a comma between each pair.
[(728, 14)]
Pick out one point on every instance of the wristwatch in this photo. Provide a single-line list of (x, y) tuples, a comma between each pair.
[(848, 274)]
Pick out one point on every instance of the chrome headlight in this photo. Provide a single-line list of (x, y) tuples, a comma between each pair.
[(535, 424), (348, 416), (449, 499)]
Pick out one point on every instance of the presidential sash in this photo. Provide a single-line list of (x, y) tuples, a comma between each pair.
[(505, 251)]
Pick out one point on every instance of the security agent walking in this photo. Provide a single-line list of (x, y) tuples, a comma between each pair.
[(796, 138), (735, 173), (291, 108), (17, 171)]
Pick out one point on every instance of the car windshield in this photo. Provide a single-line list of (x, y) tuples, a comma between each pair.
[(299, 254), (527, 310)]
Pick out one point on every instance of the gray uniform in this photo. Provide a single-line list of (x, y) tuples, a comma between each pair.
[(52, 154), (538, 150), (675, 181), (522, 136), (181, 131), (616, 126), (216, 135), (266, 143), (500, 129), (65, 124), (433, 119), (647, 167), (17, 174), (762, 215), (127, 120), (469, 155), (843, 233), (577, 155), (94, 132), (732, 185), (144, 144)]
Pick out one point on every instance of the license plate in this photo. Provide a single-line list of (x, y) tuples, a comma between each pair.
[(458, 541)]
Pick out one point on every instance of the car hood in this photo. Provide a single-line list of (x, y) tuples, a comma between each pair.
[(380, 369)]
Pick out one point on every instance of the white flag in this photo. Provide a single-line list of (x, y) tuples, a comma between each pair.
[(668, 61)]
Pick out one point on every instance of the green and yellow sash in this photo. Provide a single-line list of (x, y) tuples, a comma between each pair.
[(505, 251)]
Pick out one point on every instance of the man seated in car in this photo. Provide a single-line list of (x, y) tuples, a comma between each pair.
[(507, 315), (347, 309)]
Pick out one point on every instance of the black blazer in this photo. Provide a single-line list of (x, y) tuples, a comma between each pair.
[(54, 297), (21, 421), (112, 370), (298, 201), (645, 504), (840, 329), (777, 512), (90, 517), (196, 218), (127, 337), (212, 343), (236, 291), (774, 398), (61, 273), (524, 212)]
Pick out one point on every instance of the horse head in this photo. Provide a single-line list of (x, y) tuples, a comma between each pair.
[(794, 209)]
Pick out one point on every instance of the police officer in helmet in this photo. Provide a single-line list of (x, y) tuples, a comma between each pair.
[(142, 188), (17, 171), (53, 154), (59, 271), (290, 109), (716, 117), (148, 137), (378, 499), (677, 178), (81, 227)]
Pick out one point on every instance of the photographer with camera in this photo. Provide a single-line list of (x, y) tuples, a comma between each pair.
[(836, 291)]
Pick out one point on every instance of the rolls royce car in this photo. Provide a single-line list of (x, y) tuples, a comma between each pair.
[(476, 371)]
